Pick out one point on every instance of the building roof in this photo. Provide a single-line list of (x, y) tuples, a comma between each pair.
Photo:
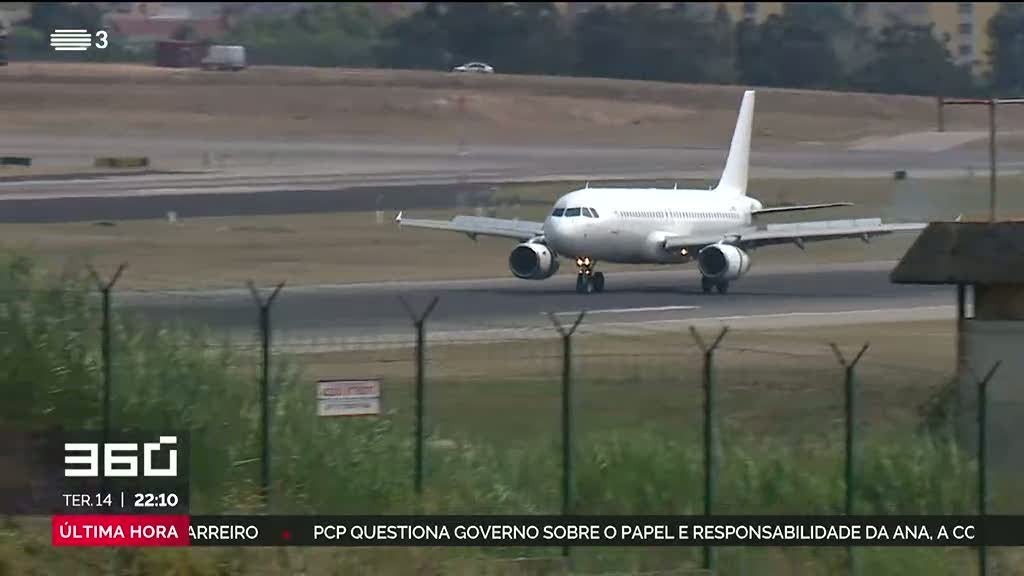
[(964, 253), (143, 28)]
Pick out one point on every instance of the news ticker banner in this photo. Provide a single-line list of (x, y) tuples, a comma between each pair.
[(513, 531), (89, 472)]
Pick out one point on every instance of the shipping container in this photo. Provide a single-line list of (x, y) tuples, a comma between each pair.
[(179, 53)]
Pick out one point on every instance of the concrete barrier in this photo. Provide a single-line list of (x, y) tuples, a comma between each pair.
[(15, 161), (122, 162)]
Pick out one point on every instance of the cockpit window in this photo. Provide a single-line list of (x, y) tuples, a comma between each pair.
[(557, 211), (572, 212), (586, 212), (594, 213)]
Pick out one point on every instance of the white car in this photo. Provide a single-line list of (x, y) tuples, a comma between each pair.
[(479, 67)]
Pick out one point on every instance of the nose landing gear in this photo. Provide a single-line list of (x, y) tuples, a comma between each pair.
[(587, 280)]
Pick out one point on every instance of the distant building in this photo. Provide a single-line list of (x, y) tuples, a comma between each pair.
[(963, 26), (966, 26), (752, 11), (141, 25)]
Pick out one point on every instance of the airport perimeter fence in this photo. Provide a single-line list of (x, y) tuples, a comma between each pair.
[(567, 413)]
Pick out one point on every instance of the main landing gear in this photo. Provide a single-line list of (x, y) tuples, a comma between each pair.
[(587, 280), (707, 284)]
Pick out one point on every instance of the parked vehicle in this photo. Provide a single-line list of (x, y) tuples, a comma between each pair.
[(478, 67), (224, 58)]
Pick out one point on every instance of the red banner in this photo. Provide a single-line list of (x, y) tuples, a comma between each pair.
[(138, 530)]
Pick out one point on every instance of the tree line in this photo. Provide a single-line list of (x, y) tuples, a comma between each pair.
[(807, 45)]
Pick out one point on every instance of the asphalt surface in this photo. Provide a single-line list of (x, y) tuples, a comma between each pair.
[(288, 177), (238, 178), (511, 308)]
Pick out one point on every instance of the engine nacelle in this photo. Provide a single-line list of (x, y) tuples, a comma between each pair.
[(532, 261), (723, 262)]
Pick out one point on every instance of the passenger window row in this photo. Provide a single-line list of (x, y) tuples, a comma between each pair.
[(570, 212), (677, 214)]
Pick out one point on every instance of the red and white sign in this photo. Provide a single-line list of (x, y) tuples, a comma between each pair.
[(348, 397)]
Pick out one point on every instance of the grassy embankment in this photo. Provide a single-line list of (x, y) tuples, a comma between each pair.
[(638, 448)]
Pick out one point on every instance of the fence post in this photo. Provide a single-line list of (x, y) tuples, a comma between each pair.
[(105, 289), (568, 473), (983, 461), (264, 308), (851, 438), (419, 320), (710, 434)]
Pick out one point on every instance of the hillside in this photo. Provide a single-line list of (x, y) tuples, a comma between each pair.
[(423, 107)]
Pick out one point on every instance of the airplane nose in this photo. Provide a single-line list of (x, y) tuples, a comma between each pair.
[(556, 232)]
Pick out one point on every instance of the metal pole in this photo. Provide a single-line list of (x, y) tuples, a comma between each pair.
[(105, 289), (264, 318), (991, 103), (849, 387), (568, 472), (710, 435), (105, 347), (419, 320), (418, 476), (265, 403), (992, 160), (983, 462), (961, 316)]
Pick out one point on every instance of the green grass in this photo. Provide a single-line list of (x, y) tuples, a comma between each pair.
[(640, 457)]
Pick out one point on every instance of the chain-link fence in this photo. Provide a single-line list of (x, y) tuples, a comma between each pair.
[(518, 418)]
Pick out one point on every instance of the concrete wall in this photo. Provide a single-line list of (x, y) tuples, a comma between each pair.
[(985, 342)]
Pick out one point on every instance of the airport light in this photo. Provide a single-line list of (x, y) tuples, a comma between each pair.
[(991, 103)]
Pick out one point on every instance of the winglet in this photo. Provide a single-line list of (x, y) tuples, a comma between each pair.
[(399, 217)]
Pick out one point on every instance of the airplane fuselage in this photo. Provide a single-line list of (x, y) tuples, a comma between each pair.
[(628, 225)]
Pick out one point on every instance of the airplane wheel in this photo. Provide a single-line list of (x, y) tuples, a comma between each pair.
[(598, 282), (583, 284), (722, 287), (706, 284)]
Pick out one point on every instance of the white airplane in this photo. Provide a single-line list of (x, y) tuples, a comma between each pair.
[(657, 225)]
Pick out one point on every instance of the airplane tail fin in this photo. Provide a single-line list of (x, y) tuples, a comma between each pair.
[(734, 177)]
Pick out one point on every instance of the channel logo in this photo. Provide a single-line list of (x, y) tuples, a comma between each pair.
[(76, 40)]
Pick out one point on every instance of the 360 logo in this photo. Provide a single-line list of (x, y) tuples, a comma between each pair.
[(119, 459)]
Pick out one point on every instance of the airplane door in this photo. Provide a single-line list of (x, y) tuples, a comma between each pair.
[(615, 224)]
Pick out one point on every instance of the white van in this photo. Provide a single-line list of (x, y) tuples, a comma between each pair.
[(224, 58)]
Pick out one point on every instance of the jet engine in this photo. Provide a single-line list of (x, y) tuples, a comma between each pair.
[(532, 261), (723, 262)]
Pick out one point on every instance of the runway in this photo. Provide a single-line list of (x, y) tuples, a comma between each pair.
[(367, 315), (291, 177)]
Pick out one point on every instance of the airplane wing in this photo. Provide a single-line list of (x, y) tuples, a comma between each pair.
[(777, 209), (796, 233), (474, 226)]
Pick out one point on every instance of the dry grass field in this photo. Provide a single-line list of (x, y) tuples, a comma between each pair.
[(422, 106)]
